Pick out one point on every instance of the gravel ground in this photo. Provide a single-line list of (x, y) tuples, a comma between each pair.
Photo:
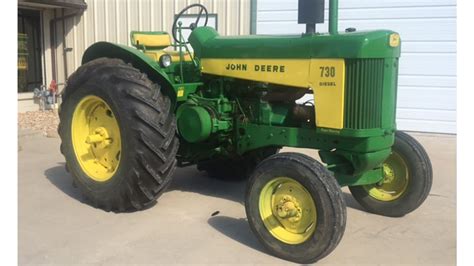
[(44, 121)]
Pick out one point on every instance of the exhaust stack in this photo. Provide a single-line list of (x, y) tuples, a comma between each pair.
[(311, 12)]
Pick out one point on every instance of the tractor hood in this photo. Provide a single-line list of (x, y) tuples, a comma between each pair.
[(207, 43)]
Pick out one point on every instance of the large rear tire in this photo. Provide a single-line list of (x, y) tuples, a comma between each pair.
[(295, 207), (407, 180), (118, 135)]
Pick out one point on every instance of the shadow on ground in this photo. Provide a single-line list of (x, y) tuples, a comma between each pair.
[(351, 202), (236, 229), (185, 179), (190, 180), (58, 176)]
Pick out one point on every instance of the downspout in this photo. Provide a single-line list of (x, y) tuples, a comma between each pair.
[(52, 27), (43, 50), (64, 46), (52, 36)]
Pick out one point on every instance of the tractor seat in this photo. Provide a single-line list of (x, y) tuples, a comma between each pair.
[(153, 43), (150, 40)]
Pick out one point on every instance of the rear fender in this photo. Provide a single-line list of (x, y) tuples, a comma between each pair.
[(135, 57)]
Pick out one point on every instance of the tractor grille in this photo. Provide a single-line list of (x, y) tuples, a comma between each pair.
[(363, 99)]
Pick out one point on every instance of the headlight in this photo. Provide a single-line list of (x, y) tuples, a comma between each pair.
[(394, 40), (165, 60)]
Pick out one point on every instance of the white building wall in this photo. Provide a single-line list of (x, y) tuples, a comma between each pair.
[(427, 80)]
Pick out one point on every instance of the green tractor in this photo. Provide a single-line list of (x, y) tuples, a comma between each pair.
[(130, 116)]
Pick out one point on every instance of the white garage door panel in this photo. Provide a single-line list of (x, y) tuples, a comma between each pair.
[(428, 64), (428, 47), (265, 5), (427, 98), (427, 75), (371, 13), (427, 126), (427, 81), (409, 29), (428, 115), (279, 27)]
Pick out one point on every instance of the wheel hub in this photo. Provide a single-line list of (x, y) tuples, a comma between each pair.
[(388, 173), (394, 182), (96, 138), (100, 136), (288, 210)]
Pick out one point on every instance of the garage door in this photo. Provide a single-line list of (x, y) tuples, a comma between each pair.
[(427, 81)]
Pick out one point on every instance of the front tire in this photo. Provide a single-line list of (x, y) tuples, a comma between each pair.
[(118, 135), (408, 177), (295, 207)]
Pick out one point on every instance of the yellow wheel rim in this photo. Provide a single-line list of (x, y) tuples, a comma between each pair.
[(287, 210), (96, 138), (395, 181)]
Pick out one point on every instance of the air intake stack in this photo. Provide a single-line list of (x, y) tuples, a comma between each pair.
[(311, 12)]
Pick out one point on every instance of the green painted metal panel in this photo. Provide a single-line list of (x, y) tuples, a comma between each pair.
[(389, 98), (194, 123), (137, 58), (364, 92), (375, 44), (257, 136)]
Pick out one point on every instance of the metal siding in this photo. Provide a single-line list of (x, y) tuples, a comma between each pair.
[(111, 19), (47, 16), (89, 24), (233, 14), (122, 22), (70, 40), (209, 4), (220, 8), (156, 19), (145, 20), (427, 80), (99, 20), (134, 15), (245, 9), (59, 48)]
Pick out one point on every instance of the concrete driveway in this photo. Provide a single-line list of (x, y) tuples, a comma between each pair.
[(57, 227)]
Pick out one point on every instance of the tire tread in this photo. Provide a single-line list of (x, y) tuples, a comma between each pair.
[(153, 125)]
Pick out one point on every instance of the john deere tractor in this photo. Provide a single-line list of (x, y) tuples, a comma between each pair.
[(131, 115)]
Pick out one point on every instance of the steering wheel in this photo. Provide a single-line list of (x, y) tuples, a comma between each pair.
[(192, 26)]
